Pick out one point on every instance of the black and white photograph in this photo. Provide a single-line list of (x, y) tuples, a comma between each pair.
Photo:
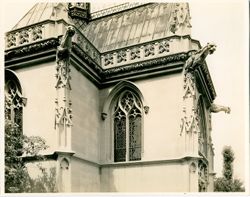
[(125, 97)]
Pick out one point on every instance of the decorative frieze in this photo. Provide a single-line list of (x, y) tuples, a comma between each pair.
[(140, 66), (108, 59), (149, 50), (11, 40), (37, 33), (164, 46), (136, 53), (121, 56), (24, 36)]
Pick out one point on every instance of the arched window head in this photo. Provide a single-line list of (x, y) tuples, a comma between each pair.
[(13, 99), (127, 125)]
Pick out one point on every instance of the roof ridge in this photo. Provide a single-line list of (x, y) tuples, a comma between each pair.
[(115, 9)]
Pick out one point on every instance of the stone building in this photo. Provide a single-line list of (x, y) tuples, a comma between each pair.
[(123, 96)]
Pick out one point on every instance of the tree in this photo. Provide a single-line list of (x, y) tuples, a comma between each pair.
[(17, 146), (227, 183)]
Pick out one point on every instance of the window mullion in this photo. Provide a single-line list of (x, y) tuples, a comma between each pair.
[(127, 137)]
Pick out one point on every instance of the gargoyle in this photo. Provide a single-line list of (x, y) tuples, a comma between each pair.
[(217, 108), (64, 49), (199, 57)]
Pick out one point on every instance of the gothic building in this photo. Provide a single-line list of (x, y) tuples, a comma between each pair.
[(122, 96)]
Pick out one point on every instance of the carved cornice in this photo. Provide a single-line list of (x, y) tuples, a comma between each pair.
[(162, 62), (83, 55), (31, 49)]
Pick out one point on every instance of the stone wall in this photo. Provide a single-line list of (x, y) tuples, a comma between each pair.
[(38, 85)]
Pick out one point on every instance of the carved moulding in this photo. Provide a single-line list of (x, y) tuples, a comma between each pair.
[(31, 49), (24, 36), (78, 51), (63, 74), (108, 73), (63, 115), (189, 120)]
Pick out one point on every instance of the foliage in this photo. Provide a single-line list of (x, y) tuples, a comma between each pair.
[(228, 158), (43, 183), (17, 146), (227, 183)]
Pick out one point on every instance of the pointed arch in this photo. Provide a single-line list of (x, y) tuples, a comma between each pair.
[(11, 75), (124, 109), (121, 86), (14, 100)]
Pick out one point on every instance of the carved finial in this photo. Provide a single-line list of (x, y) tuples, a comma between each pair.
[(79, 10), (218, 108)]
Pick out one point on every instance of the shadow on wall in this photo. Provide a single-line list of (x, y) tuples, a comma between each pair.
[(107, 180)]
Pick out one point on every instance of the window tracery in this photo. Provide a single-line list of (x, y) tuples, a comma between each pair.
[(203, 176), (13, 102), (127, 118)]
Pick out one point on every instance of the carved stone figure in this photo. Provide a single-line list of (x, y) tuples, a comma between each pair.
[(199, 57), (218, 108), (63, 53), (64, 48)]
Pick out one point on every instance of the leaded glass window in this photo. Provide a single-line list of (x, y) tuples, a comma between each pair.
[(127, 118), (203, 176), (13, 102)]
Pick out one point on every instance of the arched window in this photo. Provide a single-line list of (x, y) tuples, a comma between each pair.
[(127, 126), (202, 176), (13, 99)]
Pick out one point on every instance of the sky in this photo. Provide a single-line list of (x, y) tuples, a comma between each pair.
[(224, 23)]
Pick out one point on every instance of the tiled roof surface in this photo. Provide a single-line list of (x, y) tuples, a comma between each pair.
[(142, 24), (121, 28)]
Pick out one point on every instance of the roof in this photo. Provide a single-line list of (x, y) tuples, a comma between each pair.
[(123, 26), (41, 12), (138, 25)]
